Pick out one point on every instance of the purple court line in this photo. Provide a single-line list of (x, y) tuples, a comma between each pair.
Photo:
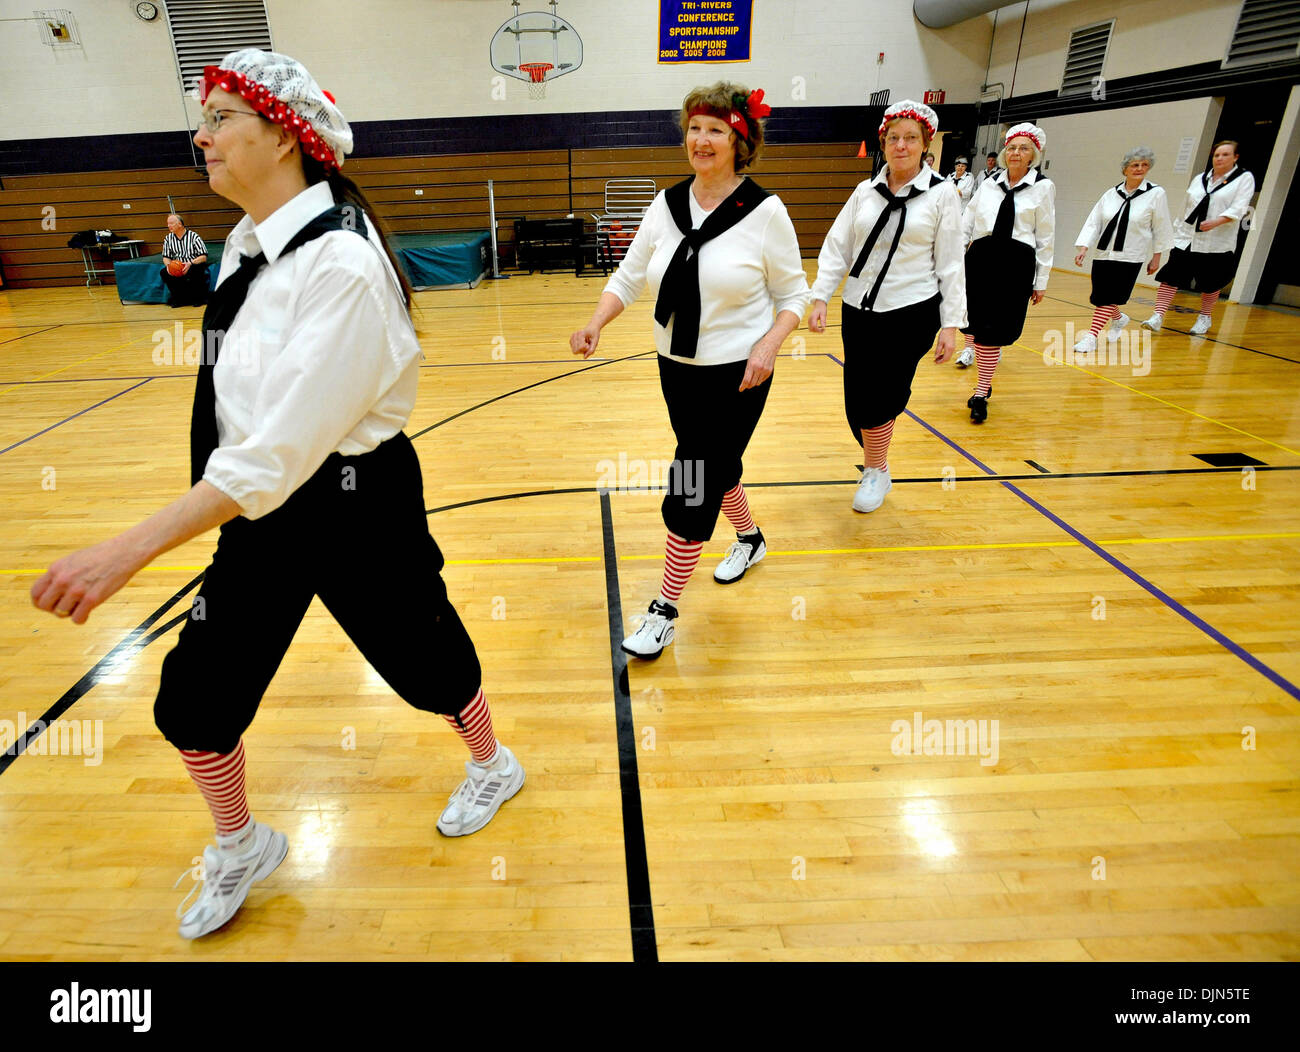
[(74, 416), (1233, 648)]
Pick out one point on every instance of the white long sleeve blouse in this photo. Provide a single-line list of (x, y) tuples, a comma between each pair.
[(1035, 217), (748, 274), (321, 358), (1149, 227), (1232, 201), (929, 258)]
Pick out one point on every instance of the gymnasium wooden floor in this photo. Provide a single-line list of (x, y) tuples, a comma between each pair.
[(1127, 613)]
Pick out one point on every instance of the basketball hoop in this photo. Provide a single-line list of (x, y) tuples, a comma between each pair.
[(537, 77)]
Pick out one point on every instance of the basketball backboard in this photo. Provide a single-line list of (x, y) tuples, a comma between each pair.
[(528, 41)]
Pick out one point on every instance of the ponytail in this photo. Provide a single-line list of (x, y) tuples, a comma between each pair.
[(345, 191)]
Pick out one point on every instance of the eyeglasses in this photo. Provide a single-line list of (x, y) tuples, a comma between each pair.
[(212, 119), (894, 140)]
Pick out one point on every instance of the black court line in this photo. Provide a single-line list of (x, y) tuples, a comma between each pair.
[(138, 643), (1037, 466), (73, 416), (1184, 332), (5, 343), (645, 948), (1132, 473), (135, 641), (519, 390)]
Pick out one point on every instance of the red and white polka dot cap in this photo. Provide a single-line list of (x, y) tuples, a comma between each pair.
[(281, 89), (1030, 131), (917, 111)]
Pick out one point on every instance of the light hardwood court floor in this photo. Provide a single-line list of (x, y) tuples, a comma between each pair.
[(1124, 616)]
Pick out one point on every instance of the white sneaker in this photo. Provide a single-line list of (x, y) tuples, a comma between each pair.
[(743, 553), (1117, 326), (229, 871), (1153, 323), (655, 632), (1086, 344), (966, 357), (872, 488), (1202, 325), (479, 796)]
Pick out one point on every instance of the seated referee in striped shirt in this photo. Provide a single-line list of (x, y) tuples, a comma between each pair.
[(189, 288)]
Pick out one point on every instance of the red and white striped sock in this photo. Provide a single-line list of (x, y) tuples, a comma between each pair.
[(986, 360), (735, 506), (970, 340), (220, 778), (1208, 300), (1103, 316), (680, 560), (875, 446), (1164, 298), (474, 725)]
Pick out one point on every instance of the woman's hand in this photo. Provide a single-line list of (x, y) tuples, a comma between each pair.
[(1210, 224), (946, 346), (817, 318), (1038, 296), (1154, 265), (77, 583), (584, 341), (762, 359), (1078, 260)]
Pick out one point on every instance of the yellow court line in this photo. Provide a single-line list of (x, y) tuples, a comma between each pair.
[(812, 551), (101, 354), (1163, 401)]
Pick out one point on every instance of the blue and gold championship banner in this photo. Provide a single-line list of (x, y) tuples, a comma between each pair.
[(704, 30)]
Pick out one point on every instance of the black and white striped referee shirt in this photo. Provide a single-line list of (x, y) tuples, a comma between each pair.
[(185, 248)]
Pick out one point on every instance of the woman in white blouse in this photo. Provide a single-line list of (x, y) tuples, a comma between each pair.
[(898, 238), (963, 180), (720, 256), (298, 454), (1129, 226), (1009, 227), (1204, 255)]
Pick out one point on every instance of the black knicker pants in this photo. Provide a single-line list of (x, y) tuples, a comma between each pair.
[(354, 534), (881, 352), (191, 287), (713, 421)]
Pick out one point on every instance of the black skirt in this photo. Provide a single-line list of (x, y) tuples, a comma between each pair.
[(1113, 281), (1198, 271), (882, 350), (999, 282)]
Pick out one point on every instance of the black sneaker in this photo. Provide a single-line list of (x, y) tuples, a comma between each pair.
[(979, 407)]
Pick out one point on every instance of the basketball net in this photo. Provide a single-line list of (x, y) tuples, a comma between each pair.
[(537, 77)]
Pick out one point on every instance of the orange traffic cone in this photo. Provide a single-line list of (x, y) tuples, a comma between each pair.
[(862, 150)]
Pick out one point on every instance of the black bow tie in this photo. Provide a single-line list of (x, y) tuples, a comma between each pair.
[(1202, 211), (1002, 226), (679, 290), (892, 204), (220, 315), (1118, 224)]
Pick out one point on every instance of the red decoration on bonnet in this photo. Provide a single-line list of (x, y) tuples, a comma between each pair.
[(262, 100)]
